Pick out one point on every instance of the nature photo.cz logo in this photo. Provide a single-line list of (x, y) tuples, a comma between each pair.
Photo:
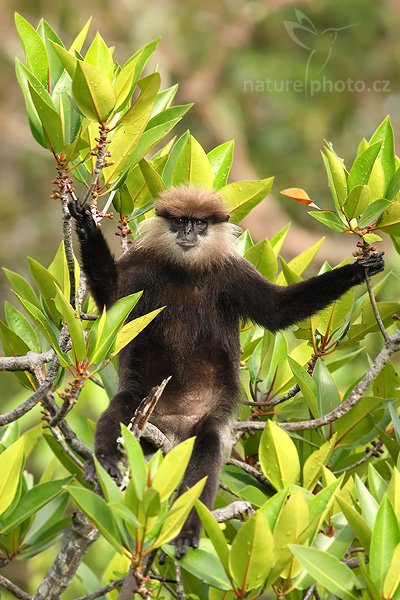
[(319, 45)]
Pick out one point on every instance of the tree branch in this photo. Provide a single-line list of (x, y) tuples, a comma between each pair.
[(14, 589), (234, 510), (77, 540), (29, 362)]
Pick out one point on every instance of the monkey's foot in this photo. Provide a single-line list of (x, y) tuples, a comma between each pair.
[(184, 542), (109, 463)]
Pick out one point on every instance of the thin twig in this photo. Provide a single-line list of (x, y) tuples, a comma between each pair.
[(277, 400), (251, 471), (32, 401), (104, 590), (375, 309), (180, 590), (14, 589), (376, 450)]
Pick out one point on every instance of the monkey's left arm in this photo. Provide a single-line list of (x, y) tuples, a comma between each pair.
[(97, 261), (277, 307)]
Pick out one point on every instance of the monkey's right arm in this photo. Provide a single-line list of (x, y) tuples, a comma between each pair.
[(97, 261)]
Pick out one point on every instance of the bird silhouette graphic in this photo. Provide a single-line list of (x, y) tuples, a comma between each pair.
[(318, 43)]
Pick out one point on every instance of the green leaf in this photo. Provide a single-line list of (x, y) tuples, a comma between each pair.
[(354, 424), (338, 175), (132, 329), (65, 459), (22, 287), (278, 456), (105, 329), (178, 514), (392, 580), (24, 78), (357, 201), (329, 219), (314, 463), (328, 571), (369, 505), (262, 256), (300, 262), (100, 57), (47, 286), (173, 157), (131, 128), (13, 345), (100, 513), (11, 463), (192, 166), (220, 159), (252, 553), (279, 238), (394, 186), (173, 468), (242, 196), (148, 139), (385, 538), (356, 522), (136, 461), (372, 212), (48, 35), (390, 219), (80, 38), (214, 533), (360, 172), (107, 483), (384, 134), (50, 120), (153, 179), (34, 48), (45, 327), (123, 86), (376, 181), (328, 396), (68, 60), (93, 92), (21, 326), (203, 563), (74, 324), (32, 501), (291, 523), (271, 509)]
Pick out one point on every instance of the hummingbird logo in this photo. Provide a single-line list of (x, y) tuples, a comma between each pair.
[(318, 43)]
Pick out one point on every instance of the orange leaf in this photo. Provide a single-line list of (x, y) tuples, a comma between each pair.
[(300, 196)]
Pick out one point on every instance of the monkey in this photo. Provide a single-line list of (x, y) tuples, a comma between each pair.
[(185, 259)]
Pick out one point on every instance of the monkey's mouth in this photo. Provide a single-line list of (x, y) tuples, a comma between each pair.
[(186, 245)]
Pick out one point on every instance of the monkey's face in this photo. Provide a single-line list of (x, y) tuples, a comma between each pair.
[(189, 231), (188, 241)]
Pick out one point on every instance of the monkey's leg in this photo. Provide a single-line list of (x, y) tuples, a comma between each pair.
[(108, 430), (207, 459)]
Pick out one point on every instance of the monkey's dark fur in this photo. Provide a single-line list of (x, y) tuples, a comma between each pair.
[(185, 260)]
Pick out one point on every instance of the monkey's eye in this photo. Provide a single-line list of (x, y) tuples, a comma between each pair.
[(200, 224), (179, 221)]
